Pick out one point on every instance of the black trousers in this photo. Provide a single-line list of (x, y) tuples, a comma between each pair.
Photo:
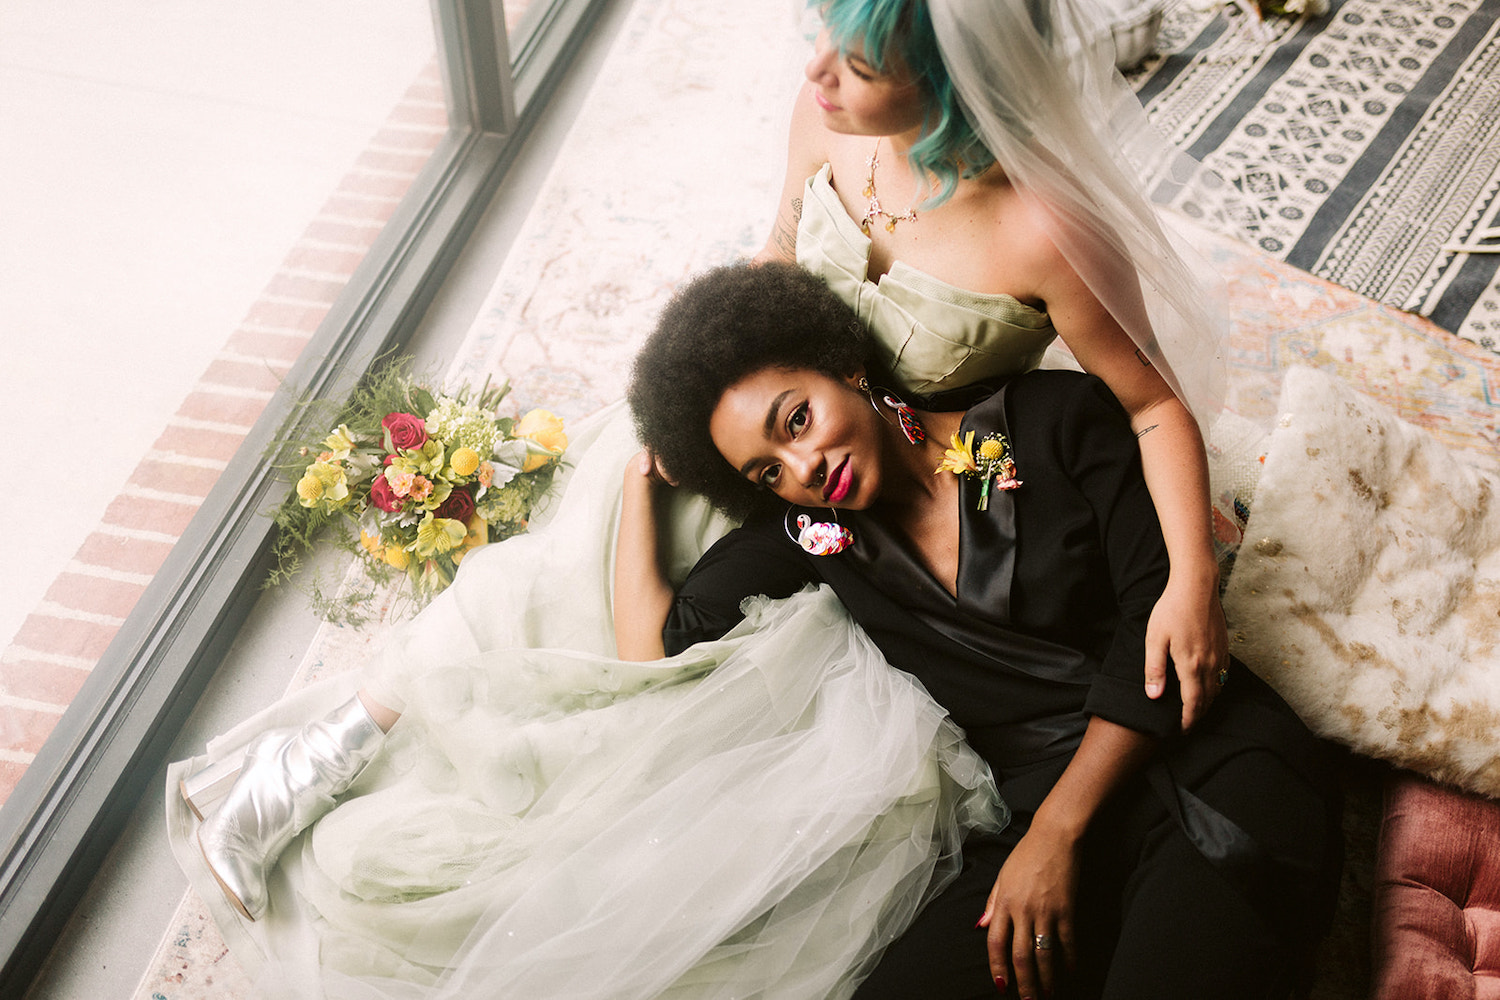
[(1155, 920)]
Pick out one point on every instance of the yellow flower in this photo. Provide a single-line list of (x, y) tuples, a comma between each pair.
[(371, 543), (991, 449), (479, 534), (309, 490), (393, 555), (436, 535), (464, 461), (340, 442), (323, 482), (544, 429), (959, 458)]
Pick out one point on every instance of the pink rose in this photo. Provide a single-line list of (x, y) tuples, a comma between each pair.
[(382, 496), (404, 430), (459, 506)]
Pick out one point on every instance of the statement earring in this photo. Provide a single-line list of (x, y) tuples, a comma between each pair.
[(911, 427), (819, 538)]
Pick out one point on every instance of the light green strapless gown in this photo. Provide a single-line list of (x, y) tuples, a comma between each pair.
[(931, 335)]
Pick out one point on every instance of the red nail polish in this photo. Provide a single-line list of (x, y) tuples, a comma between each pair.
[(1000, 983)]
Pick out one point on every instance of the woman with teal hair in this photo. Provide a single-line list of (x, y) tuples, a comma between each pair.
[(971, 176)]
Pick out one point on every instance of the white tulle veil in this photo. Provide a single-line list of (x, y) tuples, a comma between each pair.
[(1036, 79)]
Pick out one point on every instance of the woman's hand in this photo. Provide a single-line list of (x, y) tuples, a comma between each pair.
[(642, 596), (646, 466), (1032, 897), (1187, 629)]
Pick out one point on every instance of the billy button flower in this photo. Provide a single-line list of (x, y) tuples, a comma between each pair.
[(464, 461), (325, 483)]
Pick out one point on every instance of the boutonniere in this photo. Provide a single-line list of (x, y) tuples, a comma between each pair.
[(993, 464)]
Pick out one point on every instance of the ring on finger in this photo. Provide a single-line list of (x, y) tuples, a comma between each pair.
[(1223, 676), (1042, 942)]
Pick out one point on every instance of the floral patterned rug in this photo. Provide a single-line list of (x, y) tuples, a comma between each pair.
[(601, 252)]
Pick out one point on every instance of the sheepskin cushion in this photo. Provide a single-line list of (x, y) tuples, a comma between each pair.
[(1437, 894), (1367, 590)]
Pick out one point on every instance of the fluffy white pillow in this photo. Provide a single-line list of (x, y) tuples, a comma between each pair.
[(1367, 590)]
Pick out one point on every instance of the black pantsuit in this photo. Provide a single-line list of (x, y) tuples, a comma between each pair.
[(1209, 875)]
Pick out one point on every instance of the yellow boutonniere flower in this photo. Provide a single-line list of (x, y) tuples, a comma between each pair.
[(959, 458)]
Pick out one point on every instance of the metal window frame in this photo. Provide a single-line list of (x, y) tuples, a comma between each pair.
[(77, 795)]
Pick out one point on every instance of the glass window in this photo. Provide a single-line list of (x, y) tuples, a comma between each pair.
[(185, 189), (214, 213)]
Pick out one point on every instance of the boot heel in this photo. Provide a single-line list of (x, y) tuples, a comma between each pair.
[(202, 789)]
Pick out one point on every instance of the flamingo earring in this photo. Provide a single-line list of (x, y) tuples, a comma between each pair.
[(911, 427), (819, 538)]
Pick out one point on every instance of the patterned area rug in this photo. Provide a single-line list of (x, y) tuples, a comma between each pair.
[(1362, 146)]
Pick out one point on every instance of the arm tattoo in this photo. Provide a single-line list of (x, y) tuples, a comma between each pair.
[(785, 235), (1148, 430), (1141, 357)]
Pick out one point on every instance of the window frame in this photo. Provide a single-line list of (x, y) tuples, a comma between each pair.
[(76, 797)]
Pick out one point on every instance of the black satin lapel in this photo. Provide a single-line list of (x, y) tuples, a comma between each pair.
[(987, 539)]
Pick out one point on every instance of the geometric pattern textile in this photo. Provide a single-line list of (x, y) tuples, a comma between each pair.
[(1362, 146)]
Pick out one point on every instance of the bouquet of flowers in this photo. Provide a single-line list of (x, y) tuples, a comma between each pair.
[(411, 481)]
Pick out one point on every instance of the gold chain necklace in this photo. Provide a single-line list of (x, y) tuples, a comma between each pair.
[(875, 211)]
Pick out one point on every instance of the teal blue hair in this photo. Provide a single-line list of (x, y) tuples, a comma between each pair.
[(900, 31)]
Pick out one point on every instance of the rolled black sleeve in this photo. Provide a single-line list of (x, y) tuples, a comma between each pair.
[(1103, 457)]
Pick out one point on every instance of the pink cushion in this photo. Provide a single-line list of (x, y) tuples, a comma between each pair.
[(1437, 894)]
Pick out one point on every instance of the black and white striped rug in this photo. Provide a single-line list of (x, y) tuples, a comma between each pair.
[(1362, 146)]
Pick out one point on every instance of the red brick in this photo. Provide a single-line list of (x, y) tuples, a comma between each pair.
[(174, 477), (65, 636), (10, 776), (199, 443), (344, 234), (283, 347), (221, 408), (127, 555), (320, 261), (370, 185), (26, 729), (286, 316), (38, 680), (427, 87), (407, 138), (291, 286), (430, 114), (246, 374), (94, 594), (406, 164), (343, 206), (144, 514)]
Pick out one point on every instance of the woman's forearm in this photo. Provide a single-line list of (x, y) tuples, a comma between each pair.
[(1109, 754), (643, 597), (1176, 472)]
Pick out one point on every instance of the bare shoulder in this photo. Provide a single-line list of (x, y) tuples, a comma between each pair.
[(808, 143)]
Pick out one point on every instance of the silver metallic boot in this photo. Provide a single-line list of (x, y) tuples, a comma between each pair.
[(289, 779)]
